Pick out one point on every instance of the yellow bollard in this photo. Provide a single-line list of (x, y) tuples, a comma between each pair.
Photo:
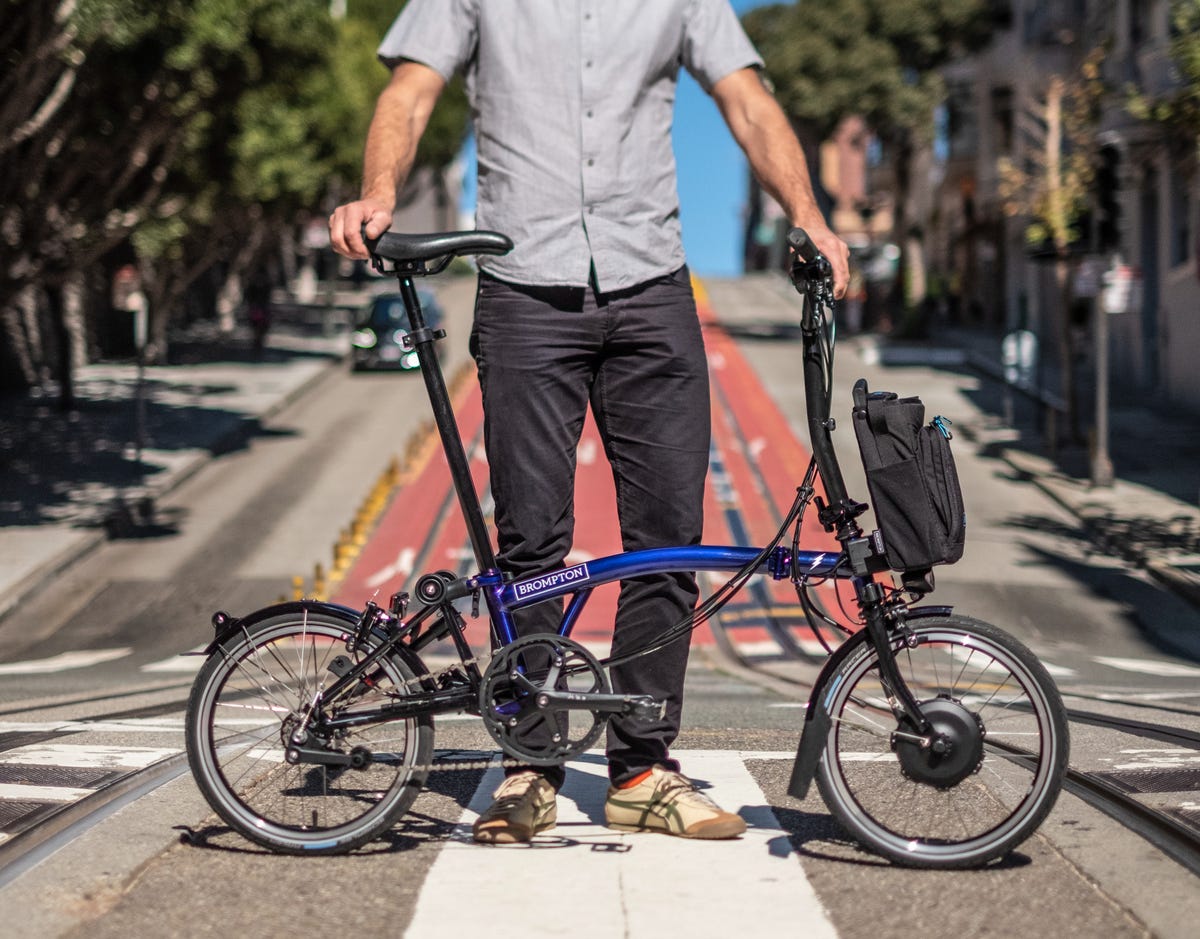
[(297, 587), (318, 582)]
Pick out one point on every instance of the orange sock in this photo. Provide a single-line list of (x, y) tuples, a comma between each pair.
[(630, 783)]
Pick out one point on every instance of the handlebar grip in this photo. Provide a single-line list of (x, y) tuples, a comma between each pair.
[(798, 241)]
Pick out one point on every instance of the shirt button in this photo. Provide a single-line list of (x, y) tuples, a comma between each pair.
[(587, 64), (589, 113), (591, 162)]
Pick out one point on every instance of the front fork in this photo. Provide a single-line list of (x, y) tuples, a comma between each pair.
[(817, 720), (900, 697)]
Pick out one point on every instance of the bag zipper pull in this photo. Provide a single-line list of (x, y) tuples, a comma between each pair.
[(943, 426)]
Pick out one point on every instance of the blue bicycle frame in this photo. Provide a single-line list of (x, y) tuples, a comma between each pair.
[(578, 580)]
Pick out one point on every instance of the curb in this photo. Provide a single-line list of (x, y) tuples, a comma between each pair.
[(1183, 584), (88, 540)]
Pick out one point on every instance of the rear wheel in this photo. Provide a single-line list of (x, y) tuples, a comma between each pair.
[(246, 705), (992, 778)]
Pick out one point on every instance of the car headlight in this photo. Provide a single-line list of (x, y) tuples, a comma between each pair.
[(363, 339)]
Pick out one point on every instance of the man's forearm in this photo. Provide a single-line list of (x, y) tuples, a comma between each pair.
[(400, 118), (766, 137)]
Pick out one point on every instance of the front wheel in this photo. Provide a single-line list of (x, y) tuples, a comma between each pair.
[(247, 702), (998, 766)]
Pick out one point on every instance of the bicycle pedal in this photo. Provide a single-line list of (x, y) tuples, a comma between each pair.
[(645, 708)]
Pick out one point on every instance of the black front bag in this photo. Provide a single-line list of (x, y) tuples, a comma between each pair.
[(912, 480)]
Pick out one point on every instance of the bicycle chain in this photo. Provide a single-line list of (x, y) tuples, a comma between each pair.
[(418, 684)]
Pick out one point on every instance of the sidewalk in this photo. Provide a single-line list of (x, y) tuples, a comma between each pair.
[(69, 481), (1150, 516)]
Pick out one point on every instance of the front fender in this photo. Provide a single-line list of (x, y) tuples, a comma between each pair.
[(816, 714)]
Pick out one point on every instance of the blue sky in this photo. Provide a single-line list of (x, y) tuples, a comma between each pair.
[(713, 178)]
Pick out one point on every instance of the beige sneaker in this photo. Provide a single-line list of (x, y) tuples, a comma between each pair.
[(669, 802), (522, 806)]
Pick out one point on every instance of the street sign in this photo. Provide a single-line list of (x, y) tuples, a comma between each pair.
[(1122, 290)]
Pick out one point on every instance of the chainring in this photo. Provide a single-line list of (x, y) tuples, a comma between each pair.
[(541, 734)]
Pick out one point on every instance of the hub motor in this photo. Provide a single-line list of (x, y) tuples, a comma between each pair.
[(956, 750)]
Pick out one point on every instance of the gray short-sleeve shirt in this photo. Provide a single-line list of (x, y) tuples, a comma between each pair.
[(573, 102)]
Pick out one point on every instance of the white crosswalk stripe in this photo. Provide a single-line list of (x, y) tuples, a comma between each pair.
[(84, 756), (64, 662), (1149, 667), (632, 885)]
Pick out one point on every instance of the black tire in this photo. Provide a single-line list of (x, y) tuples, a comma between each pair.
[(246, 697), (924, 810)]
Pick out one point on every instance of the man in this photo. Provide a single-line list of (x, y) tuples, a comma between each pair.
[(573, 103)]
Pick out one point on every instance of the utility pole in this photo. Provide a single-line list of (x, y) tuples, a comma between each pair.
[(1101, 468)]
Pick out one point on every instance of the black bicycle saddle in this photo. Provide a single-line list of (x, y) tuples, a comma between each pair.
[(417, 249)]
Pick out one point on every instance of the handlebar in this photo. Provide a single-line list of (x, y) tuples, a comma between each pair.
[(798, 241), (811, 271)]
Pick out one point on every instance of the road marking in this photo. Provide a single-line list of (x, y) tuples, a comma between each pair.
[(401, 567), (1161, 758), (63, 662), (1150, 667), (81, 755), (631, 885), (1144, 696), (769, 648), (181, 664), (128, 725), (19, 792)]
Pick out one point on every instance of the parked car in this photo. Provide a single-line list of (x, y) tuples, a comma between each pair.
[(379, 339)]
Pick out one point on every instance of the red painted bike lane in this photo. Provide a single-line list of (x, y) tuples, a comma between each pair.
[(755, 467)]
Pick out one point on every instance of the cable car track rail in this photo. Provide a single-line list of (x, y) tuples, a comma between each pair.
[(1174, 837)]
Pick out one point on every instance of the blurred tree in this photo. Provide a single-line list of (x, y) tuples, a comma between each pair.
[(877, 59), (346, 97), (1178, 110), (1055, 192), (193, 131)]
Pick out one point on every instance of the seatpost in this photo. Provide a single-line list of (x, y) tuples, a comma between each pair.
[(423, 339)]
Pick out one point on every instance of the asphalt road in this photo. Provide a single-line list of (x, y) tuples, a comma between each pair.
[(234, 536)]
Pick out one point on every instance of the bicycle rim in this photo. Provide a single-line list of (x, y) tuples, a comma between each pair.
[(893, 800), (245, 705)]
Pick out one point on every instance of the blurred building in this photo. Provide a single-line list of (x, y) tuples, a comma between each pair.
[(1139, 235), (970, 262)]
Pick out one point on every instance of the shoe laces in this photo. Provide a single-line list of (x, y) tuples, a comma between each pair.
[(675, 787), (514, 787)]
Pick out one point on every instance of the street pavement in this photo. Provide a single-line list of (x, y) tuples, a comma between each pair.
[(69, 481)]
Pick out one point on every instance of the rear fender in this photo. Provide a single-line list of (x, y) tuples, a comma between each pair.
[(816, 715), (228, 626)]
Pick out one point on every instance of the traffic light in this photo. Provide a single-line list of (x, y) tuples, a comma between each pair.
[(1108, 207)]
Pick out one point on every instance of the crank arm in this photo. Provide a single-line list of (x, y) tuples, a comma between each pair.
[(641, 707), (297, 753)]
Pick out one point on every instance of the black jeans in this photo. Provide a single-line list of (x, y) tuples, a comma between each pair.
[(637, 357)]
